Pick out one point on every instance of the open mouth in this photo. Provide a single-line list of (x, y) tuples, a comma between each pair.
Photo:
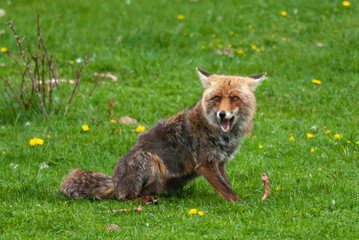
[(226, 124)]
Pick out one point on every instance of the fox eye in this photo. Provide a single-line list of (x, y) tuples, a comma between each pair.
[(216, 99), (235, 99)]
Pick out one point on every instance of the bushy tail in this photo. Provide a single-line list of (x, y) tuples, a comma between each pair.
[(80, 184)]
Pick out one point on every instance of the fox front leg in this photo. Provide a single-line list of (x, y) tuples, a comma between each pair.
[(212, 174)]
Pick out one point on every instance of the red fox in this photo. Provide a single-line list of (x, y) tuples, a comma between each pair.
[(194, 142)]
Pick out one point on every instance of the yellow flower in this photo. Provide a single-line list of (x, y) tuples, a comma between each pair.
[(85, 128), (346, 3), (180, 16), (140, 129), (291, 139), (203, 47), (283, 13), (260, 146), (36, 141), (185, 33), (337, 136), (348, 141), (201, 213), (356, 142), (236, 35), (240, 51), (250, 26), (71, 62), (309, 135), (118, 131), (327, 132), (277, 188), (316, 82), (312, 150), (214, 35), (254, 47), (113, 121), (192, 211), (4, 49), (231, 33), (254, 137), (229, 45), (354, 152), (273, 36), (4, 153)]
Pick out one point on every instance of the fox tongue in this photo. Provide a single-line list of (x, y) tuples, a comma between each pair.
[(225, 123)]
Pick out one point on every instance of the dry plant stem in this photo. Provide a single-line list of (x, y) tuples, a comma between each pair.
[(139, 209), (28, 70), (266, 186), (98, 81)]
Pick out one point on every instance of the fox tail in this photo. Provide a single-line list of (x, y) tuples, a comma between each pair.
[(81, 184)]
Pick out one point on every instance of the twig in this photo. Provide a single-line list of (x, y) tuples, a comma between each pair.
[(139, 209), (98, 81), (266, 186), (28, 70), (78, 75)]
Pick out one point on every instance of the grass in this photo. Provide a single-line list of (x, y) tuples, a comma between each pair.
[(317, 192)]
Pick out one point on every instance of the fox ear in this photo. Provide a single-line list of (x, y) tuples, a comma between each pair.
[(255, 80), (203, 75)]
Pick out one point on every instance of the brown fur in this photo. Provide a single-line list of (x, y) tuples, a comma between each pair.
[(192, 143)]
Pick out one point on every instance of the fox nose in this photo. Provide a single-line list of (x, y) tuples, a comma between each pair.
[(222, 114)]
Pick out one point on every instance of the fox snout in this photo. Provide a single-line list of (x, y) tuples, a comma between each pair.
[(224, 115), (226, 120)]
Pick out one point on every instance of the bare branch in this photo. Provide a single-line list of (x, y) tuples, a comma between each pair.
[(28, 70)]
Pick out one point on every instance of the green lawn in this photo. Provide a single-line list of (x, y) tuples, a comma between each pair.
[(314, 181)]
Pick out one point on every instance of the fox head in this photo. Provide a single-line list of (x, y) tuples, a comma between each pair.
[(229, 101)]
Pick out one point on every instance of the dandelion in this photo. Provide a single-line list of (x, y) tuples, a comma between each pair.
[(277, 188), (260, 146), (85, 128), (214, 35), (4, 153), (203, 47), (118, 131), (48, 136), (356, 142), (185, 33), (229, 45), (4, 49), (316, 82), (348, 141), (309, 135), (283, 13), (71, 62), (254, 47), (250, 26), (236, 35), (140, 129), (291, 139), (254, 137), (180, 16), (354, 152), (36, 142), (337, 136), (231, 33), (240, 51), (192, 211), (113, 121), (273, 36), (312, 150), (346, 3), (201, 213), (327, 132)]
